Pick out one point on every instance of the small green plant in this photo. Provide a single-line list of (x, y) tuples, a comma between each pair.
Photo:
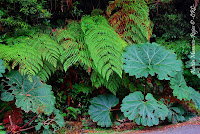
[(61, 99), (72, 113), (2, 131)]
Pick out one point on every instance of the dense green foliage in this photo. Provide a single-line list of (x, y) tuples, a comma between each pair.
[(25, 12), (97, 60), (104, 45), (153, 110)]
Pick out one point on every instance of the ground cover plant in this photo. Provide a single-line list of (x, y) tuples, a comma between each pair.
[(62, 63)]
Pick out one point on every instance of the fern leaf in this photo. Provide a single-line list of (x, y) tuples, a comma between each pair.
[(30, 51), (114, 83), (132, 20), (70, 54), (47, 47), (24, 55), (96, 79), (46, 71), (104, 45), (70, 40)]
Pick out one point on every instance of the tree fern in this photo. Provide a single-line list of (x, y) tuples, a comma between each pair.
[(132, 20), (31, 53), (46, 71), (70, 54), (113, 84), (26, 56), (48, 48), (71, 40), (85, 58), (96, 79), (104, 45)]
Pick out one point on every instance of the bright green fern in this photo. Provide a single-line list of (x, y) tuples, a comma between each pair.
[(32, 53), (104, 44)]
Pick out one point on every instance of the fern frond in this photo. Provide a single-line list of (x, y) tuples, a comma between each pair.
[(114, 83), (69, 54), (96, 79), (72, 32), (47, 47), (46, 71), (104, 44), (85, 58), (70, 40), (28, 59), (29, 52), (75, 30), (132, 20)]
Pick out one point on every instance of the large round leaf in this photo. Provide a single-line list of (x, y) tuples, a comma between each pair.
[(175, 115), (180, 89), (30, 96), (144, 59), (2, 68), (99, 109), (146, 112), (195, 96)]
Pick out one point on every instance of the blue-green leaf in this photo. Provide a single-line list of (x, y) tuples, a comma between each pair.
[(180, 89), (6, 96), (150, 59), (2, 68), (195, 96), (175, 115), (31, 96), (146, 112), (99, 109)]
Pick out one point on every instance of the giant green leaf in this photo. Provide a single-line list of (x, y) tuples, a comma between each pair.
[(175, 114), (195, 96), (30, 96), (99, 109), (2, 68), (180, 89), (150, 59), (146, 112)]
